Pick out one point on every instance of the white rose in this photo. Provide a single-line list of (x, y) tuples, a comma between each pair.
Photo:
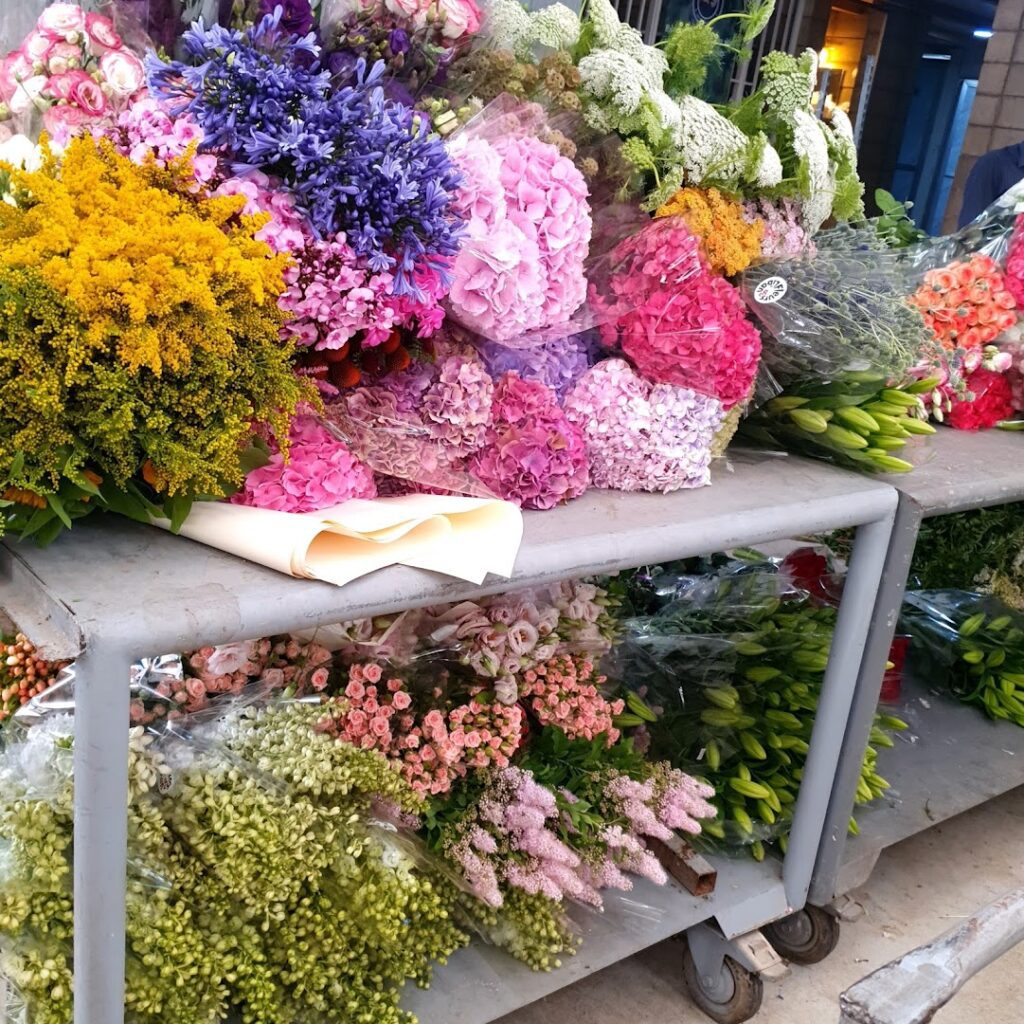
[(123, 72), (62, 19), (27, 93), (461, 18)]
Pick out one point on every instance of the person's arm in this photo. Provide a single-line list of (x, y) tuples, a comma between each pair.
[(979, 190)]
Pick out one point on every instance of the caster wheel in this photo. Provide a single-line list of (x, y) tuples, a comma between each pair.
[(731, 998), (806, 937)]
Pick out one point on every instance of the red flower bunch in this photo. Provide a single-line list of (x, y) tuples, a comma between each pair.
[(564, 692), (966, 304), (678, 322), (992, 402)]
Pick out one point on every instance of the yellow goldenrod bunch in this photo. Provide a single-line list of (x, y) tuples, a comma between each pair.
[(729, 243), (139, 342), (152, 268)]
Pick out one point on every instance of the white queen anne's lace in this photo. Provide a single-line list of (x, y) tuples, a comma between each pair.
[(556, 26), (709, 144), (811, 146)]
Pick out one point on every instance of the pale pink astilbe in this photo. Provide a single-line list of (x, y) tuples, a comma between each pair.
[(681, 800), (510, 838)]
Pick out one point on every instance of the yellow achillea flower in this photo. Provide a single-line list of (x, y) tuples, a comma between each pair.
[(729, 243), (153, 269)]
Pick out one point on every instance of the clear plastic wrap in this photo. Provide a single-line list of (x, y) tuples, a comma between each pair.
[(976, 643), (731, 669), (838, 315)]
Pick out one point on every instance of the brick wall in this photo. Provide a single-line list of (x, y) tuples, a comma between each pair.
[(997, 117)]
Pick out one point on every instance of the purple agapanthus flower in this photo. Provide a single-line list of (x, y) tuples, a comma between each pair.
[(354, 161), (296, 15)]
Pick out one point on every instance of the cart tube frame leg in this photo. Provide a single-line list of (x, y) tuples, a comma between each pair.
[(826, 882), (853, 625), (914, 988), (100, 833)]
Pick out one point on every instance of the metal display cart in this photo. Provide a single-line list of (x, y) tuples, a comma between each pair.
[(113, 591), (954, 757)]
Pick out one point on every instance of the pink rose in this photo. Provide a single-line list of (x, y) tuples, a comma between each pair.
[(60, 20), (414, 10), (318, 680), (401, 700), (102, 36), (123, 72), (37, 46), (195, 688), (460, 18), (63, 57), (273, 677), (88, 97), (354, 690)]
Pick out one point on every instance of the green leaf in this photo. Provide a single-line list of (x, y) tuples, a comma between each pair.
[(134, 506), (36, 522), (49, 532), (17, 465), (58, 507), (178, 509), (255, 456)]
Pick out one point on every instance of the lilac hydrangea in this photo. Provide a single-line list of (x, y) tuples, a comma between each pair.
[(556, 364), (642, 436), (355, 162)]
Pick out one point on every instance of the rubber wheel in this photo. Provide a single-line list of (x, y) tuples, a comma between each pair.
[(733, 997), (806, 937)]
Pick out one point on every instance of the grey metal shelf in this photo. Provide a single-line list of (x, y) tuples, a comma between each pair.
[(499, 985), (951, 759), (954, 471), (112, 591)]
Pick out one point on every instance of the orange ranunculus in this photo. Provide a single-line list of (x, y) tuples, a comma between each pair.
[(1004, 300)]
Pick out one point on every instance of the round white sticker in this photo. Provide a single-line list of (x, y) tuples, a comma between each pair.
[(771, 289)]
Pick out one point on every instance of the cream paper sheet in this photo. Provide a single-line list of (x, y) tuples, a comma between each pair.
[(462, 537)]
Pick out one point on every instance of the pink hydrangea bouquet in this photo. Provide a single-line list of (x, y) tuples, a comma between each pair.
[(521, 267), (74, 69), (642, 436), (676, 321), (320, 472), (534, 455)]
